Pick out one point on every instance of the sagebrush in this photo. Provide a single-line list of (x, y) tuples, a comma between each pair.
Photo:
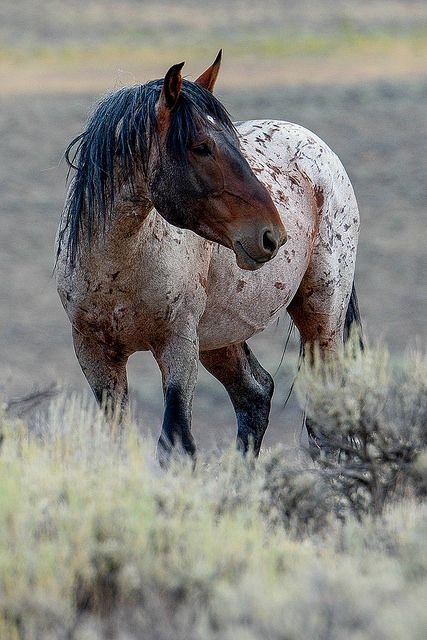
[(97, 542)]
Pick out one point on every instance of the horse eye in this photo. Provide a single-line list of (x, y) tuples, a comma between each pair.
[(202, 149)]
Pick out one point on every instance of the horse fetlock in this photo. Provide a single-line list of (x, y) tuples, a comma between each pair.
[(249, 439), (252, 421), (170, 443)]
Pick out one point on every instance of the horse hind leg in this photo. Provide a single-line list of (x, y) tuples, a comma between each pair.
[(323, 316), (250, 388), (106, 375)]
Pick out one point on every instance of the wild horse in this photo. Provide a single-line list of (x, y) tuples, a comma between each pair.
[(167, 196)]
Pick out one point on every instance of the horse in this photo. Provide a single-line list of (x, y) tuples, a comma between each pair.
[(185, 234)]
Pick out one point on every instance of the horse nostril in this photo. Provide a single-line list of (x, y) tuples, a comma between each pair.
[(269, 242)]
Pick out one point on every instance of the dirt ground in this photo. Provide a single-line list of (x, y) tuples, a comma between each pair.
[(377, 126)]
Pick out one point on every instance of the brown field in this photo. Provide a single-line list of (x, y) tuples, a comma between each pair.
[(356, 75)]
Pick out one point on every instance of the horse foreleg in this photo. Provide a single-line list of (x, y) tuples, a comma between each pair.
[(250, 388), (106, 374), (178, 363)]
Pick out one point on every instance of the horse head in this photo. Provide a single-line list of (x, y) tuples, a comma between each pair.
[(198, 178)]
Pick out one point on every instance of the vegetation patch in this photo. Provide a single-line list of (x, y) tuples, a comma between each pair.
[(157, 44), (346, 54), (97, 542)]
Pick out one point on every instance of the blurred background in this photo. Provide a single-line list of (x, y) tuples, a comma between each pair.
[(353, 72)]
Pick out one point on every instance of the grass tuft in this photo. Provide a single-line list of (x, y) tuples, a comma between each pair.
[(96, 541)]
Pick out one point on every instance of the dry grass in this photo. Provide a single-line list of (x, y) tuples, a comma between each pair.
[(252, 59), (96, 542)]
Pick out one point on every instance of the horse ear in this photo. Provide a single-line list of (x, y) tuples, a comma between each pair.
[(208, 77), (171, 88)]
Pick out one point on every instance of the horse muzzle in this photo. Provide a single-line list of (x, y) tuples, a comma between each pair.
[(252, 254)]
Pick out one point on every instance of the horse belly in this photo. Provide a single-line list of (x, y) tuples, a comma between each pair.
[(242, 303)]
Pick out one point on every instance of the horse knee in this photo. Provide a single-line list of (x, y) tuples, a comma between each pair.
[(260, 375), (268, 385), (260, 397)]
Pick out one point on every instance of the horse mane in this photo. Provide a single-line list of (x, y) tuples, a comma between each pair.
[(117, 141)]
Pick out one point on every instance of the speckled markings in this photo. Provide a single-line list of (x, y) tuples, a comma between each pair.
[(313, 194), (147, 285)]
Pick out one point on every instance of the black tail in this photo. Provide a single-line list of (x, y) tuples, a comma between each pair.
[(352, 318)]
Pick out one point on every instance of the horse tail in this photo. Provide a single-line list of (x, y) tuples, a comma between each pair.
[(353, 320)]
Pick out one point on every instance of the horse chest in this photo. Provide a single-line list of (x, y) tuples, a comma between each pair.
[(136, 305), (124, 317)]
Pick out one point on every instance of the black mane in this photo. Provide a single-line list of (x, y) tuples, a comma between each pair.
[(119, 134)]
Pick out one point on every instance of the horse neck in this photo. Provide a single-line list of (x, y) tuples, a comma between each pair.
[(117, 240), (128, 223)]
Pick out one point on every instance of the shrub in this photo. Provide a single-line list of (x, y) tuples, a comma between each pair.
[(373, 417), (300, 499), (96, 541)]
